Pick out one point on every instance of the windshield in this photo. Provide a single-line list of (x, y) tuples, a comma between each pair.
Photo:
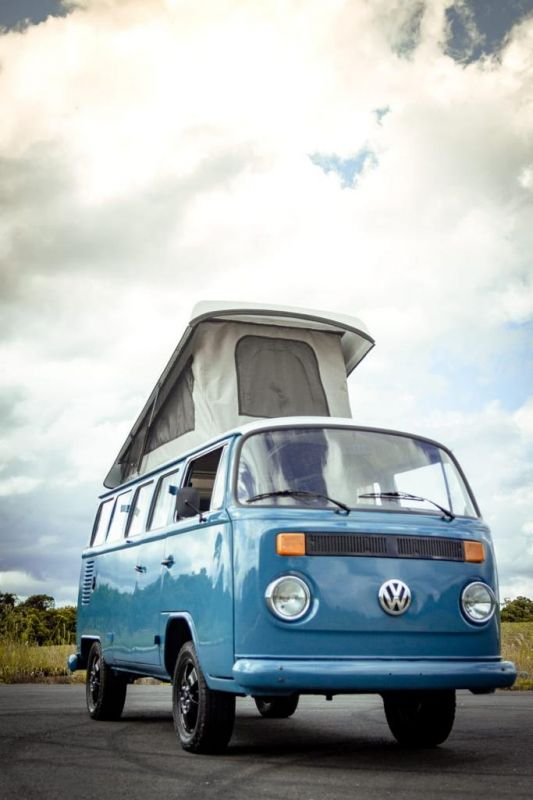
[(346, 464)]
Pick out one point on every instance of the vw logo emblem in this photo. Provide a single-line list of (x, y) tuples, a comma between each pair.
[(394, 597)]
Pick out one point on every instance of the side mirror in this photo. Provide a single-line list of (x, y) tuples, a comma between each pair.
[(187, 502)]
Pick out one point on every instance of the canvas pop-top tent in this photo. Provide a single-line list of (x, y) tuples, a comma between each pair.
[(237, 362)]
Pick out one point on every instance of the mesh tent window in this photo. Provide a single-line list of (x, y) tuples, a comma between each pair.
[(132, 456), (173, 415), (278, 378)]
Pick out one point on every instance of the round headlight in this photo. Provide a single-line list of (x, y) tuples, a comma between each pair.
[(288, 597), (478, 602)]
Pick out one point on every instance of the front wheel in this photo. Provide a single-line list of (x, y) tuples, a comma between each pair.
[(105, 690), (203, 718), (420, 719), (277, 707)]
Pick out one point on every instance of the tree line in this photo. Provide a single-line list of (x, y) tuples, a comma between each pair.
[(36, 620), (518, 610)]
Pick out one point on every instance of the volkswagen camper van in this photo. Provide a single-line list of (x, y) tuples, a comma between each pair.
[(294, 553)]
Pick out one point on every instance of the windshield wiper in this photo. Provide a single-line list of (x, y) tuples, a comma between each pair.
[(405, 496), (299, 493)]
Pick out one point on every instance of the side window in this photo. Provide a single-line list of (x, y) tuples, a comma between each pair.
[(165, 500), (141, 506), (102, 522), (202, 474), (120, 517)]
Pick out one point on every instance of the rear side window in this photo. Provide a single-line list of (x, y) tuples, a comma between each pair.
[(165, 500), (102, 522), (120, 517), (141, 506)]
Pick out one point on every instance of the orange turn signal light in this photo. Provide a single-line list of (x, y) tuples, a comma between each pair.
[(290, 544), (474, 552)]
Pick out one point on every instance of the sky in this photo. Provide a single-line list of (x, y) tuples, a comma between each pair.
[(370, 157)]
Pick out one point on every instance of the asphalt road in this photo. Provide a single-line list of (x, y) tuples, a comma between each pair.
[(50, 749)]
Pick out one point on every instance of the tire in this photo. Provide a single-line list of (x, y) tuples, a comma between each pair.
[(203, 718), (420, 719), (277, 707), (105, 691)]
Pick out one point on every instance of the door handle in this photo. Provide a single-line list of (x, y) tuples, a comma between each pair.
[(168, 562), (140, 568)]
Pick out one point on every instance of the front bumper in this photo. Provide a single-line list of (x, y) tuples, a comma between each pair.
[(280, 676)]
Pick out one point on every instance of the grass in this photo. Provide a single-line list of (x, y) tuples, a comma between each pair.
[(517, 646), (21, 663)]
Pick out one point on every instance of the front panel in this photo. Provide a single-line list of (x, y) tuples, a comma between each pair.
[(346, 619)]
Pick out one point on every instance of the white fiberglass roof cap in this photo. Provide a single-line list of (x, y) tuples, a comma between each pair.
[(353, 330)]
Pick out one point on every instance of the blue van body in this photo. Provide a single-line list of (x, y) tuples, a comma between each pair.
[(202, 579)]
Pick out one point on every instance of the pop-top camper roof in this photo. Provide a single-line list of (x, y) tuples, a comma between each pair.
[(237, 362)]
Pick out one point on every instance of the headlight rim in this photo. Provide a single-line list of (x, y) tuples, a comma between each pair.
[(269, 591), (494, 604)]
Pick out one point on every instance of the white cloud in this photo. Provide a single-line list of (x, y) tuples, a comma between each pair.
[(523, 418), (154, 154), (18, 485), (23, 585)]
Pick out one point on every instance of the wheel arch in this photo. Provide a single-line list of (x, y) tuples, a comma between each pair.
[(86, 643), (179, 629)]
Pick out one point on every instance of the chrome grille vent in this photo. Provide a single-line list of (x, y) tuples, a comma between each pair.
[(87, 582), (366, 544), (418, 547), (345, 544)]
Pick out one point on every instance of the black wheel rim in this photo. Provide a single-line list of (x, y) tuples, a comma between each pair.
[(95, 681), (188, 697)]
